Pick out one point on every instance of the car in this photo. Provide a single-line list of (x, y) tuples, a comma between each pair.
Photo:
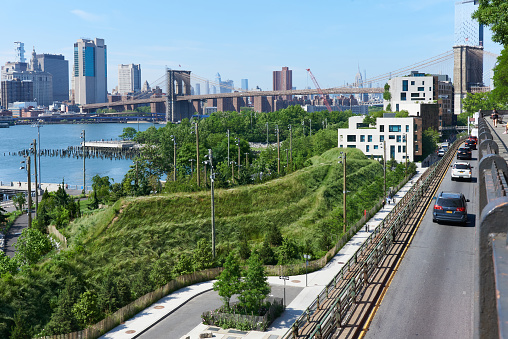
[(473, 137), (461, 170), (464, 153), (450, 207), (440, 152), (470, 143)]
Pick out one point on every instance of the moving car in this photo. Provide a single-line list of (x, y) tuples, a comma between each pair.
[(464, 153), (471, 143), (461, 170), (440, 152), (450, 207)]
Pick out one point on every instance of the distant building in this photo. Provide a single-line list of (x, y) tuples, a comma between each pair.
[(401, 135), (283, 81), (58, 67), (146, 87), (16, 90), (197, 90), (468, 32), (89, 76), (245, 84), (129, 78), (224, 86)]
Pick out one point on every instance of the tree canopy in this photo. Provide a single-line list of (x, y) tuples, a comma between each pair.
[(494, 13)]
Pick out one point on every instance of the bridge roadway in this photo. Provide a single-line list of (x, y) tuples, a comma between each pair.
[(336, 90)]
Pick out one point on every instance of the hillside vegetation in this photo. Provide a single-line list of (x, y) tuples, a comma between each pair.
[(119, 253)]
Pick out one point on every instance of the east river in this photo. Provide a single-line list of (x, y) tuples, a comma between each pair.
[(54, 169)]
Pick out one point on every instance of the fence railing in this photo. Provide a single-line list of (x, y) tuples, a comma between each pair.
[(63, 240), (350, 282), (493, 229)]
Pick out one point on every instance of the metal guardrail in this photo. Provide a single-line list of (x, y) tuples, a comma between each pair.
[(493, 227), (338, 298)]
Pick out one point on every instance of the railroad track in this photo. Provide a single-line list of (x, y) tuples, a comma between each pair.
[(345, 305)]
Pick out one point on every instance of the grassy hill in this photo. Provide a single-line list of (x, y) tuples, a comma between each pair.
[(126, 250)]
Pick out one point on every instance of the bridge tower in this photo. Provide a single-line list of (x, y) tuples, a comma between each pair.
[(178, 84)]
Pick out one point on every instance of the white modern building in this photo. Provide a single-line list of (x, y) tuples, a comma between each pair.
[(129, 78), (409, 91), (89, 76), (401, 136)]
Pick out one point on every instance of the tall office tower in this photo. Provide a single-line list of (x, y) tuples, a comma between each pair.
[(283, 81), (218, 82), (20, 52), (197, 91), (146, 87), (227, 86), (129, 78), (207, 87), (245, 84), (16, 90), (90, 78), (58, 67), (467, 52)]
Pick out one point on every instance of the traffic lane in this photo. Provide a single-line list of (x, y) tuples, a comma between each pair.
[(431, 295), (187, 317)]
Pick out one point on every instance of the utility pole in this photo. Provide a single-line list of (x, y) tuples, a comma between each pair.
[(239, 160), (267, 134), (174, 157), (83, 150), (384, 169), (405, 139), (36, 187), (310, 127), (212, 179), (291, 143), (228, 151), (246, 159), (29, 192), (344, 191)]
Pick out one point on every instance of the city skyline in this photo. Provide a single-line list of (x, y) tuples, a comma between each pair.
[(376, 37)]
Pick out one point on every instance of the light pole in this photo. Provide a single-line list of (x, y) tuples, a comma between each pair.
[(83, 150), (197, 152), (246, 159), (405, 147), (29, 190), (38, 125), (278, 149), (291, 144), (307, 257), (228, 148), (34, 144), (191, 166), (343, 161), (174, 157), (267, 134), (287, 160), (303, 126), (239, 160), (212, 179), (384, 170), (310, 127)]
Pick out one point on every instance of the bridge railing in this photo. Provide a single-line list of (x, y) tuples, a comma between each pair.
[(493, 228)]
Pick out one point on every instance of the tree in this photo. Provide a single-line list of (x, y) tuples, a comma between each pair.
[(19, 201), (229, 281), (430, 139), (3, 216), (202, 255), (86, 310), (31, 246), (493, 13), (129, 133), (101, 187), (255, 286), (500, 78), (387, 95), (7, 265)]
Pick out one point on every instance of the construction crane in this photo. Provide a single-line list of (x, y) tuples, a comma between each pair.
[(319, 90)]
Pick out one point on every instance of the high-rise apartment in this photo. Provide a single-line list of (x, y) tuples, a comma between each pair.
[(129, 78), (89, 76), (283, 81), (58, 67)]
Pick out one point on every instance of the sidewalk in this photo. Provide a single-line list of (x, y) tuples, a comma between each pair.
[(316, 281), (498, 136)]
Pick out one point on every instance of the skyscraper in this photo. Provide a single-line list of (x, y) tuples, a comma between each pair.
[(283, 81), (245, 84), (198, 89), (468, 31), (89, 78), (129, 78), (58, 67)]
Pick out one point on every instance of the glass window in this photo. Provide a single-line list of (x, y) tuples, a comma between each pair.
[(407, 128), (421, 89), (391, 137), (362, 138), (367, 148), (402, 96), (398, 149), (394, 128), (392, 152), (412, 83), (404, 85), (396, 107), (381, 138), (423, 82), (404, 149), (376, 147), (351, 138), (369, 138), (351, 146), (416, 148), (399, 139), (381, 128)]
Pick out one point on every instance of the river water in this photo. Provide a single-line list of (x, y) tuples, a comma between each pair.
[(60, 136)]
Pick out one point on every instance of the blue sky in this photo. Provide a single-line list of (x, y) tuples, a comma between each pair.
[(242, 39)]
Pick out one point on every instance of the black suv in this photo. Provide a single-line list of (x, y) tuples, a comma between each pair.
[(464, 153), (451, 207), (470, 144)]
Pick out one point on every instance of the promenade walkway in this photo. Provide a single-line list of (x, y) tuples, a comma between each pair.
[(316, 281), (498, 136)]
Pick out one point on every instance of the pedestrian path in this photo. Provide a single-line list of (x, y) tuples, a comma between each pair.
[(312, 285), (499, 137)]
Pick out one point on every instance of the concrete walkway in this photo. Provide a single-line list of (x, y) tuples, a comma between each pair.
[(316, 281)]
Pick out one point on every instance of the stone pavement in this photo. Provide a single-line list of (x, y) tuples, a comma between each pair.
[(316, 282), (498, 135)]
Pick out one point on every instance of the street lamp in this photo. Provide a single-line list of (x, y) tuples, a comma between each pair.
[(191, 166), (38, 125), (174, 157), (405, 147), (278, 149), (291, 143), (239, 160), (310, 127), (342, 160), (212, 179), (228, 148), (197, 151), (34, 144), (29, 190), (267, 134), (384, 169), (83, 150)]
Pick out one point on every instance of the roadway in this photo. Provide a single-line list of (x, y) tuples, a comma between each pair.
[(432, 295), (179, 323)]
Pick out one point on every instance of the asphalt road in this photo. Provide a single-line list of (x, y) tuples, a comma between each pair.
[(432, 293), (187, 317)]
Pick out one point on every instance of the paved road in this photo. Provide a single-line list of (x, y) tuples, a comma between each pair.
[(183, 320), (432, 294)]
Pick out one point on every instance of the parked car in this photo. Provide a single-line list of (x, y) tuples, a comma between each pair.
[(440, 152), (470, 143), (450, 207), (464, 153), (461, 170)]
